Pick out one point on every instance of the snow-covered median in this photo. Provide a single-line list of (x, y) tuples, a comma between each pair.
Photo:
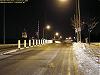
[(85, 62)]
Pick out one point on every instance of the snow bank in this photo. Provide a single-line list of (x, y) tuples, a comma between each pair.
[(85, 63), (7, 45)]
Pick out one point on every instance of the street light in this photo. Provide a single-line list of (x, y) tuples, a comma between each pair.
[(60, 37), (63, 0), (63, 3), (47, 27), (77, 17), (57, 34)]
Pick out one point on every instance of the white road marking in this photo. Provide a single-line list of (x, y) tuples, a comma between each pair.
[(11, 51)]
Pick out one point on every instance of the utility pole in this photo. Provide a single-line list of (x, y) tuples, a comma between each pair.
[(38, 29), (78, 25), (4, 25)]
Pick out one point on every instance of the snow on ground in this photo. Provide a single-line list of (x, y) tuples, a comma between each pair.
[(7, 45), (86, 61), (93, 50)]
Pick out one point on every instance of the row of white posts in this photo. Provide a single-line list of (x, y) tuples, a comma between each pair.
[(33, 43)]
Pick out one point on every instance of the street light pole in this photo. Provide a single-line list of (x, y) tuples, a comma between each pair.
[(56, 35), (47, 27), (4, 26), (79, 21), (78, 25)]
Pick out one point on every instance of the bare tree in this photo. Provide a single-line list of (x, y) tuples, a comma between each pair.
[(90, 22), (75, 24)]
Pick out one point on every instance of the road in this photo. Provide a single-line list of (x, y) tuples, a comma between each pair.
[(54, 59)]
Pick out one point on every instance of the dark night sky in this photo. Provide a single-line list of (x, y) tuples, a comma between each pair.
[(20, 16)]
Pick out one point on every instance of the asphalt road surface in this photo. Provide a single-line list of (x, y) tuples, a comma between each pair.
[(54, 59)]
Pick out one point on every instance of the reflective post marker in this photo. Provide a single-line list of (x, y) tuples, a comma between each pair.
[(33, 42), (25, 43), (46, 41), (39, 42), (43, 41), (18, 44), (29, 43), (36, 42)]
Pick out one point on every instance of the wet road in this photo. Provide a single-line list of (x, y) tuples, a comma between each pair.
[(54, 59)]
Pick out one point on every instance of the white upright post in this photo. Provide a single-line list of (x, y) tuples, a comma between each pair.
[(18, 44), (36, 42), (39, 42), (29, 43), (86, 39), (33, 42), (24, 43), (47, 41), (44, 41)]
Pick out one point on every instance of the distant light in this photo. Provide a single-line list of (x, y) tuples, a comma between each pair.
[(50, 41), (74, 37), (48, 27), (66, 38), (70, 38), (57, 41), (57, 34), (83, 22), (60, 37), (63, 0)]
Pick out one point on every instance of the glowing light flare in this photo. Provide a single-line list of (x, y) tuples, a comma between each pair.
[(63, 0), (69, 38), (57, 41), (48, 27), (63, 4), (57, 34), (60, 37), (66, 38)]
